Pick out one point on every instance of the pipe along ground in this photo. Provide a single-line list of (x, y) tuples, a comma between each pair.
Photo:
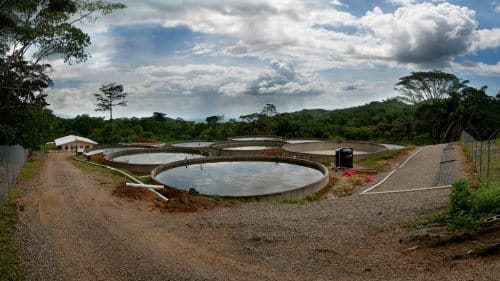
[(137, 183)]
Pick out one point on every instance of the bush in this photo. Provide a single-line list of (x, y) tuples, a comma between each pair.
[(468, 207)]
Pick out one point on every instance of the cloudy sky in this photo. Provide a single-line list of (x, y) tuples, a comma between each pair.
[(191, 59)]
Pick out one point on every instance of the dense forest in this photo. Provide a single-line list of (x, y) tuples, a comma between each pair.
[(391, 121), (433, 106)]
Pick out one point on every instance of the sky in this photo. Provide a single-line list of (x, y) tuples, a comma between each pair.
[(191, 59)]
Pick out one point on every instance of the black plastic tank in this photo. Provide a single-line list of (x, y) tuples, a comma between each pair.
[(344, 157)]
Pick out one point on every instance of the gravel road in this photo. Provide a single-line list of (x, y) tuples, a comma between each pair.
[(72, 228)]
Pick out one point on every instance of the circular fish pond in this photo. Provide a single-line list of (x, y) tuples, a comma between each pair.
[(324, 151), (255, 138), (192, 144), (247, 148), (245, 177), (110, 150), (143, 161), (302, 140)]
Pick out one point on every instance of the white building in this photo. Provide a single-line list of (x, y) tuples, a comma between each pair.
[(74, 143)]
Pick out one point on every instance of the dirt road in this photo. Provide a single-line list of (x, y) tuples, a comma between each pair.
[(73, 228)]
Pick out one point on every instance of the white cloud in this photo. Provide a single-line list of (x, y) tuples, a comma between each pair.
[(307, 37), (422, 33), (477, 68), (489, 38), (338, 3)]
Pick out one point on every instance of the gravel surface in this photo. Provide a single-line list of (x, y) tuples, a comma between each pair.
[(72, 228)]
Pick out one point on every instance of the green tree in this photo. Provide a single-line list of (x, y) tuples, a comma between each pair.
[(111, 95), (430, 85), (30, 32)]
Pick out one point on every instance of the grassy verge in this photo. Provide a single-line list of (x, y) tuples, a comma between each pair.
[(380, 161), (469, 206), (29, 170), (114, 178), (10, 255)]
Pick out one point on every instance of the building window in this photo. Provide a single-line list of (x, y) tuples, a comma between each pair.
[(66, 147), (87, 147)]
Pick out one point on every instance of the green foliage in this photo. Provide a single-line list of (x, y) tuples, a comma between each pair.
[(111, 95), (10, 255), (428, 86), (468, 207), (30, 32)]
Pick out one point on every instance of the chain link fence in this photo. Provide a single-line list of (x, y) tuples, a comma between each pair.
[(484, 155), (12, 158)]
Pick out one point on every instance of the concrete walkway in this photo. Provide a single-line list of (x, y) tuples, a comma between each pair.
[(430, 166)]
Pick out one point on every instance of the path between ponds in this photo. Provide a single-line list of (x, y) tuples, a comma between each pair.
[(72, 228), (432, 166)]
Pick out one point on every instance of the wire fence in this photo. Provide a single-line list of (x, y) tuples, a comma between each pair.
[(12, 158), (484, 155)]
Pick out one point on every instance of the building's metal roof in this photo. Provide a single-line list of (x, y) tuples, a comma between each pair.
[(72, 138)]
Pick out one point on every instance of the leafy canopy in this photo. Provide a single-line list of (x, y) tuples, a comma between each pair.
[(111, 95), (430, 85)]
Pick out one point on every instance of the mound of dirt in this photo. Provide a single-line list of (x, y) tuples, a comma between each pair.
[(188, 201), (132, 193)]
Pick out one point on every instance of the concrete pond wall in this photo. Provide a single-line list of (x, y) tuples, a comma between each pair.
[(293, 194), (300, 150), (274, 148), (146, 168), (256, 138)]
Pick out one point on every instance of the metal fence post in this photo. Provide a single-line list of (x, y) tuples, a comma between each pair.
[(489, 159), (481, 160)]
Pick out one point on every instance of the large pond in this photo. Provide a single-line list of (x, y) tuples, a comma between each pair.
[(249, 147), (256, 139), (193, 144), (332, 152), (110, 150), (239, 178), (301, 141), (154, 158), (392, 146)]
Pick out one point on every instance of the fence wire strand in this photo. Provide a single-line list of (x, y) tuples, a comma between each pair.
[(12, 158), (484, 155)]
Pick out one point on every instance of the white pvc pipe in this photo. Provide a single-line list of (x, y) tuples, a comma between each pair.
[(127, 175), (407, 190), (153, 186), (386, 177), (378, 183), (411, 156)]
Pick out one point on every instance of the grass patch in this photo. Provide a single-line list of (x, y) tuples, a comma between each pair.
[(29, 170), (114, 178), (380, 160), (10, 255), (469, 206)]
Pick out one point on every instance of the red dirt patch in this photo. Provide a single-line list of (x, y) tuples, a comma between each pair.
[(188, 201), (179, 200), (132, 193), (272, 152)]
